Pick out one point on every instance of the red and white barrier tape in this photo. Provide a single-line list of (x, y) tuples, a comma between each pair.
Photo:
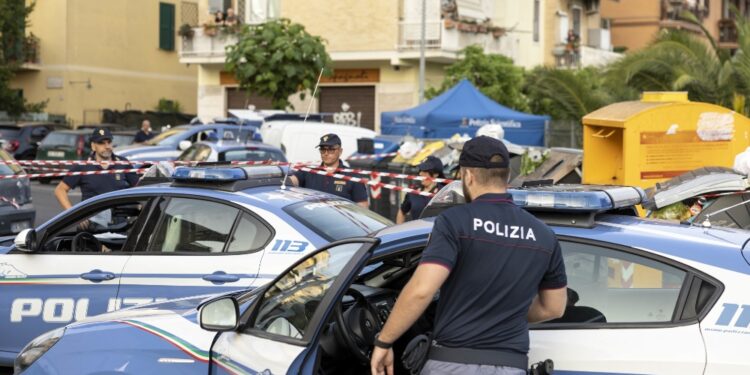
[(374, 174), (63, 174), (36, 168), (12, 202), (374, 156), (366, 181)]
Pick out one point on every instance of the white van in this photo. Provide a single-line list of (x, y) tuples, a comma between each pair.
[(298, 139)]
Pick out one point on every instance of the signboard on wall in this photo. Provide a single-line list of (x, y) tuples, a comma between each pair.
[(353, 76)]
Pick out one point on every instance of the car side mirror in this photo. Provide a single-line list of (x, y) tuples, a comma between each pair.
[(26, 240), (219, 315), (183, 145)]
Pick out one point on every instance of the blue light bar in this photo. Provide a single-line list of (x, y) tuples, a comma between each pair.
[(582, 198), (209, 174)]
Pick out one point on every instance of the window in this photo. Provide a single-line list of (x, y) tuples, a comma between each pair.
[(290, 303), (613, 286), (166, 26), (191, 225), (249, 235), (576, 20), (536, 20), (252, 155), (335, 219)]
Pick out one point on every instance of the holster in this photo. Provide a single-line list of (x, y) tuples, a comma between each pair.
[(415, 354)]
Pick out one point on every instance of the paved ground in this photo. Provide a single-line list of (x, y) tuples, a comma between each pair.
[(45, 202)]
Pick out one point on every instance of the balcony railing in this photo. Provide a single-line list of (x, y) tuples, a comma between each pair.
[(449, 36), (206, 46), (727, 31)]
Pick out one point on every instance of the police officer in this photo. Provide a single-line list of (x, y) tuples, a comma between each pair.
[(330, 154), (497, 268), (413, 204), (92, 185)]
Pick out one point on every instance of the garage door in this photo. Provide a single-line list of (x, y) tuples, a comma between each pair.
[(239, 99), (360, 99)]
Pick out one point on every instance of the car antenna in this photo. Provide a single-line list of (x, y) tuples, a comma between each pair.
[(707, 221), (315, 90), (283, 182)]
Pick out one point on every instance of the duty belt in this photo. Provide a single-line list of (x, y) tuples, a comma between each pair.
[(478, 357)]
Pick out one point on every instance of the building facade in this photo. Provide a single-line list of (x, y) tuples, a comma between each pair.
[(92, 55)]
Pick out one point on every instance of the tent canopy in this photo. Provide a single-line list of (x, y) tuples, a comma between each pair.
[(464, 109)]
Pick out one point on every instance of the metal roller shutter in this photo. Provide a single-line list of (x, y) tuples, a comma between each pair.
[(360, 99), (238, 99)]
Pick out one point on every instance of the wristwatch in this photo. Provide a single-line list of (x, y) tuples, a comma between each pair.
[(381, 344)]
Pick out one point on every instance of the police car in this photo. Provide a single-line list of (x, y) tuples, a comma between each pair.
[(213, 229), (228, 151), (645, 297)]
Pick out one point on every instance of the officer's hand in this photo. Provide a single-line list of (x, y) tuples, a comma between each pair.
[(84, 225), (382, 361)]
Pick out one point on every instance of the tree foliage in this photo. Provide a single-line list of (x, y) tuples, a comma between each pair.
[(277, 59), (13, 20), (494, 75)]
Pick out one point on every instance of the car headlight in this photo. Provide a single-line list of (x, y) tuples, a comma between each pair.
[(36, 348)]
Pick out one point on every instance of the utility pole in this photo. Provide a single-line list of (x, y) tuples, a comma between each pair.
[(421, 52)]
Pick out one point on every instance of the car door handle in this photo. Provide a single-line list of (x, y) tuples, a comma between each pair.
[(221, 277), (98, 276)]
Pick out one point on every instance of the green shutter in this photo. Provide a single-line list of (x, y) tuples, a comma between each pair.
[(166, 26)]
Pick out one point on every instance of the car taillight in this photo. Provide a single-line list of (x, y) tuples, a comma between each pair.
[(79, 147), (12, 146)]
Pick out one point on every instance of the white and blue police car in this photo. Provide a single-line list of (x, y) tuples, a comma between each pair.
[(213, 229), (646, 297)]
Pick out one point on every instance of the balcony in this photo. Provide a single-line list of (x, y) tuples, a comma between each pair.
[(448, 36), (727, 33), (205, 48)]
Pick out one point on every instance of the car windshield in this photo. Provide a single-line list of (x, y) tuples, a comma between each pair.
[(252, 154), (60, 139), (335, 219), (8, 169), (163, 139), (9, 132)]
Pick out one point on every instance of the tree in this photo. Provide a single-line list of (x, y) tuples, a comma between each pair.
[(494, 75), (277, 59), (13, 20)]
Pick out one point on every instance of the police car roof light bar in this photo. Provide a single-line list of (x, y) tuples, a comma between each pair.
[(209, 174), (581, 198)]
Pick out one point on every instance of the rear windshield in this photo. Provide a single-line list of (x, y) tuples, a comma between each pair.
[(9, 132), (253, 155), (60, 139), (335, 219), (8, 169), (157, 140)]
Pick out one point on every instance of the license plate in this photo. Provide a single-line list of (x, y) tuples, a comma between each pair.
[(55, 154), (19, 226)]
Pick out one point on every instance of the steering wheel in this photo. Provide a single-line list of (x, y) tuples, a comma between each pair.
[(80, 239), (358, 325)]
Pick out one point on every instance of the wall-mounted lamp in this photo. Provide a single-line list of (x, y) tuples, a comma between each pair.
[(87, 82)]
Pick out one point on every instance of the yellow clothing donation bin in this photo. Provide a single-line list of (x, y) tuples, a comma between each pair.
[(663, 135)]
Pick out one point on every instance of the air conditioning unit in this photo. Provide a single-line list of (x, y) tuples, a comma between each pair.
[(600, 38)]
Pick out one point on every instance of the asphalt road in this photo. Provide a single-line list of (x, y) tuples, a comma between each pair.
[(45, 202)]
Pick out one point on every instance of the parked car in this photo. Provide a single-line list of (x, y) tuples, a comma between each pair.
[(21, 140), (231, 151), (111, 127), (212, 230), (645, 297), (16, 209), (65, 145), (123, 137), (169, 144), (297, 139)]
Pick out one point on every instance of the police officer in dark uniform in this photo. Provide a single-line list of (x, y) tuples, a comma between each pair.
[(92, 185), (330, 154), (413, 204), (497, 267)]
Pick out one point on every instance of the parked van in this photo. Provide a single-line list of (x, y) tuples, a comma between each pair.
[(298, 139)]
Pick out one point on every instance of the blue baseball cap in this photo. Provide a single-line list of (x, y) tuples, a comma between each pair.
[(431, 164), (478, 153), (100, 135)]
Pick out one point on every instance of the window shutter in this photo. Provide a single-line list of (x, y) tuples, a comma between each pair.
[(166, 26)]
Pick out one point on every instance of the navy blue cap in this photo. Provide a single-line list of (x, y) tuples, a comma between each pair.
[(100, 134), (329, 140), (477, 153), (431, 164)]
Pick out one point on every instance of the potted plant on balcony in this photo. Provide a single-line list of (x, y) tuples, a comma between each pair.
[(210, 28), (497, 32), (186, 31)]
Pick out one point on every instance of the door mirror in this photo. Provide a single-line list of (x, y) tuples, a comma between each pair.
[(26, 240), (219, 315), (183, 145)]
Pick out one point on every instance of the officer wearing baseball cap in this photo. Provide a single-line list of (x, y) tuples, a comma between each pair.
[(92, 185), (429, 169), (330, 154), (497, 268)]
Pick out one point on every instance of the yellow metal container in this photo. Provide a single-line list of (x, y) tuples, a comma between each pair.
[(663, 135)]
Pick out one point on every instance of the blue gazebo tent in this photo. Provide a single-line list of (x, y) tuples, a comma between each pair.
[(463, 109)]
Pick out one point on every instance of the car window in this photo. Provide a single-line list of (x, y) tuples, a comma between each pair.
[(122, 139), (252, 155), (249, 235), (612, 286), (192, 225), (8, 169), (163, 139), (202, 153), (111, 225), (289, 304), (335, 219), (60, 139), (9, 132), (189, 154)]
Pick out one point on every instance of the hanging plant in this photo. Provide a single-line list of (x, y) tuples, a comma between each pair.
[(186, 31)]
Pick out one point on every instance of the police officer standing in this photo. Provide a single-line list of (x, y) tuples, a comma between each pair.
[(330, 154), (92, 185), (497, 268), (430, 168)]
